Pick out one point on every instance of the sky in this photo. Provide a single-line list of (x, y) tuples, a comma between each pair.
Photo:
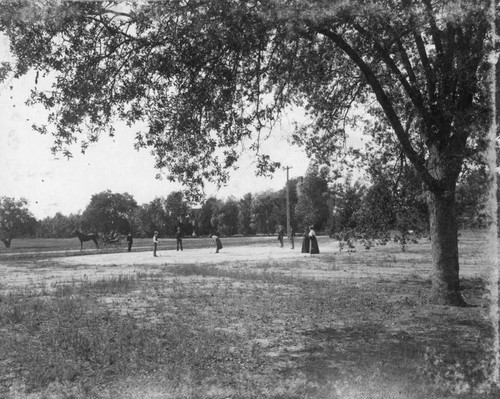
[(54, 184)]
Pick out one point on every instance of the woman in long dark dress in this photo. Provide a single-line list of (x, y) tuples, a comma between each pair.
[(305, 242), (313, 241)]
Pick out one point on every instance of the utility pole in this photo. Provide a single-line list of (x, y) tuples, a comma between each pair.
[(288, 221)]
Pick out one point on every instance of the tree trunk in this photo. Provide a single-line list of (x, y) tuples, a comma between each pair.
[(444, 248)]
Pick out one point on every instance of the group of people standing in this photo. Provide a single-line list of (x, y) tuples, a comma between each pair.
[(178, 238), (309, 241)]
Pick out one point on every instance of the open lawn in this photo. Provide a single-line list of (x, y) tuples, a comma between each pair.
[(254, 321), (71, 246)]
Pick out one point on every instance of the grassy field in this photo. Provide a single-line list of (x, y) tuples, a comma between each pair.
[(344, 325)]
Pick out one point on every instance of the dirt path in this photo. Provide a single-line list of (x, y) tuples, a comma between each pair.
[(38, 273), (197, 256), (386, 261)]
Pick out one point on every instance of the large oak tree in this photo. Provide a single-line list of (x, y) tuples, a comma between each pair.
[(207, 76), (108, 212)]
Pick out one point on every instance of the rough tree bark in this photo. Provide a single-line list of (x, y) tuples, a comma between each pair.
[(444, 166), (444, 248)]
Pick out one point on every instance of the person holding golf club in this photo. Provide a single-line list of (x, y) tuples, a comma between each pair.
[(218, 243)]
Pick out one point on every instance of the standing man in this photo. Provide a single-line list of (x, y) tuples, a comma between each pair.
[(155, 243), (281, 233), (178, 237), (130, 240)]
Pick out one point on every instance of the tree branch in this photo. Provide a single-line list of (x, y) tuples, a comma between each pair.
[(436, 33), (412, 91), (385, 103)]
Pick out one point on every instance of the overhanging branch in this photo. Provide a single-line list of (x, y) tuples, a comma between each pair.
[(384, 102)]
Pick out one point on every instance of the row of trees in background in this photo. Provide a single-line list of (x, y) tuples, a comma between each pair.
[(387, 202)]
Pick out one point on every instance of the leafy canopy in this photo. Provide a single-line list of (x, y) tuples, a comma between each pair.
[(15, 219), (206, 77), (108, 212)]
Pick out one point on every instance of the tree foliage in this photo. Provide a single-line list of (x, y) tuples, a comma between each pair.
[(207, 222), (177, 211), (347, 201), (472, 196), (58, 226), (227, 217), (149, 218), (15, 219), (395, 199), (108, 212), (245, 215), (269, 211), (312, 199), (198, 74)]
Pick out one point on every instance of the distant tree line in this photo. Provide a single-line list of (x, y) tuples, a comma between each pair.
[(374, 206)]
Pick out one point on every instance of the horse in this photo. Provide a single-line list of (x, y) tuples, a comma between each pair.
[(86, 237)]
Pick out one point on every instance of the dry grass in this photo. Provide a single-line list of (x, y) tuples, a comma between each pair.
[(280, 329)]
